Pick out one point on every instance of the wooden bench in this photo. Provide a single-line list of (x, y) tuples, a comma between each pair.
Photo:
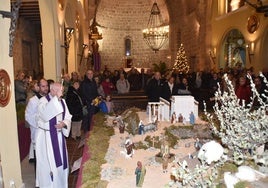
[(123, 102)]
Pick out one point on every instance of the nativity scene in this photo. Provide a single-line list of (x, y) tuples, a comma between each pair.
[(188, 154), (152, 93)]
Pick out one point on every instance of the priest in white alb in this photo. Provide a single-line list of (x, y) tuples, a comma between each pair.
[(54, 124)]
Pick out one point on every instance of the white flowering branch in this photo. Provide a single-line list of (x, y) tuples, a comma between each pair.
[(202, 175), (242, 128)]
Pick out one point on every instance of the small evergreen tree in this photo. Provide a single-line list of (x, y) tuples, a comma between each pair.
[(181, 62)]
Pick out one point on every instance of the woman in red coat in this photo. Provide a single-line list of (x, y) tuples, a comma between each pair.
[(108, 86), (243, 91)]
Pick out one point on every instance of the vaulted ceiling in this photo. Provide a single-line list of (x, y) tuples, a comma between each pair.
[(29, 10)]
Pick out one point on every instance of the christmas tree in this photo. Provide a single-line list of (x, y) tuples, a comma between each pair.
[(181, 62)]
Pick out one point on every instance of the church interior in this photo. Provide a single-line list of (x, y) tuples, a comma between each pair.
[(53, 38)]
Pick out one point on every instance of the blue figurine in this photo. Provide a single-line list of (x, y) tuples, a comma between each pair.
[(192, 118), (141, 128)]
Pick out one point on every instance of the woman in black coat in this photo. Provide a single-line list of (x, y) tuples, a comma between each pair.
[(75, 106)]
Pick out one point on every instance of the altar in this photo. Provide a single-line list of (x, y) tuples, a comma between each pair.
[(137, 68)]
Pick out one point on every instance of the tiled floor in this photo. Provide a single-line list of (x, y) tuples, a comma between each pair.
[(28, 173)]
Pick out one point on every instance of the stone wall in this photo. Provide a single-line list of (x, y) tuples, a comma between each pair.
[(189, 24), (120, 19)]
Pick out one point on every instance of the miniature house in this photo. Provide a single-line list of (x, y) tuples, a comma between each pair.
[(179, 104), (184, 105)]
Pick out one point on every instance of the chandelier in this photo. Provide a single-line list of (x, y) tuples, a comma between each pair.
[(156, 33)]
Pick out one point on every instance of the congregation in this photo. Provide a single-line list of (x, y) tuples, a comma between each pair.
[(118, 82), (94, 92)]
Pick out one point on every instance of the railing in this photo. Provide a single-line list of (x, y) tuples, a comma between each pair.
[(161, 110)]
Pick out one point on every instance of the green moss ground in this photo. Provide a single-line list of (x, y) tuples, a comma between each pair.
[(99, 136)]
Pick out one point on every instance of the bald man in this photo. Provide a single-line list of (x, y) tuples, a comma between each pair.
[(54, 124), (154, 88)]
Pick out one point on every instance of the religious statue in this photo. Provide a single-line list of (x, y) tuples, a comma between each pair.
[(96, 55), (141, 128), (164, 148), (118, 121), (129, 147), (173, 117), (165, 162), (121, 126), (164, 156), (180, 118), (140, 173), (95, 47), (192, 118)]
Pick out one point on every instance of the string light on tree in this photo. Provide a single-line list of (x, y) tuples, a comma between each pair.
[(181, 62)]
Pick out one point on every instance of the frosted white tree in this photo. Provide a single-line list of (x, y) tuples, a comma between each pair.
[(242, 128)]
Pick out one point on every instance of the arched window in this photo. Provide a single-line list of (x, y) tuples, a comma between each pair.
[(127, 46), (234, 49)]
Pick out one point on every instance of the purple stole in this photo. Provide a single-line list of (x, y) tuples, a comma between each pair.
[(55, 142)]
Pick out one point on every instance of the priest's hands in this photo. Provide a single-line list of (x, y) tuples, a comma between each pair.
[(60, 125)]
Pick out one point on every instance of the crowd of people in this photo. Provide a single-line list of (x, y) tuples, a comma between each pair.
[(54, 110)]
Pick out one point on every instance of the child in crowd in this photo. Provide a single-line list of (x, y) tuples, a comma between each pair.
[(109, 104)]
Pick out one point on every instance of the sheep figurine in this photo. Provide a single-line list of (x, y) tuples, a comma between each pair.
[(210, 152), (150, 127)]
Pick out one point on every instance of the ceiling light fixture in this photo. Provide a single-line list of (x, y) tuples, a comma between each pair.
[(156, 33)]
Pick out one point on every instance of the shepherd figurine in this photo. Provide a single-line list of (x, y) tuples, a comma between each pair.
[(192, 118), (173, 117), (141, 128), (140, 173), (180, 118)]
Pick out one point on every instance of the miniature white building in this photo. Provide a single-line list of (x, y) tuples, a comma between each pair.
[(179, 104), (184, 105), (160, 109)]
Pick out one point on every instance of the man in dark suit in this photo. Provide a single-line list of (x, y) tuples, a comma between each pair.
[(154, 88), (89, 93), (169, 88), (144, 77)]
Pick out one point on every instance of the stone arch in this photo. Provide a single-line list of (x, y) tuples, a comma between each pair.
[(223, 59), (54, 14)]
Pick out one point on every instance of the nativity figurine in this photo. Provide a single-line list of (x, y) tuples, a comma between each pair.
[(140, 173)]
